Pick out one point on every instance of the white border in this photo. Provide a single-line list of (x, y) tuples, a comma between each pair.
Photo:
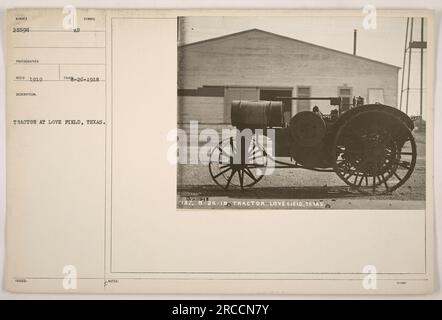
[(224, 4)]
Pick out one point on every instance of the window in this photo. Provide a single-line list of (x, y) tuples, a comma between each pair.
[(346, 94), (303, 92), (375, 95)]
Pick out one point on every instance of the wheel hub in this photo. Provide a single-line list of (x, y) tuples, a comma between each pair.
[(375, 155)]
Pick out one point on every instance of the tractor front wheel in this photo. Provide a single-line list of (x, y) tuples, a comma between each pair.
[(228, 170)]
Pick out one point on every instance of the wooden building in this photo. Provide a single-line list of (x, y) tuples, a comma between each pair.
[(259, 65)]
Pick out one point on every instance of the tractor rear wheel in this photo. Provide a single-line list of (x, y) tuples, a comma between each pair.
[(374, 152)]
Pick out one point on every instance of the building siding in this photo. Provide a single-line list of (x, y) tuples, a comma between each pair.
[(261, 59), (206, 110)]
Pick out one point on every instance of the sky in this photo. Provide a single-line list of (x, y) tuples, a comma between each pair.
[(386, 43)]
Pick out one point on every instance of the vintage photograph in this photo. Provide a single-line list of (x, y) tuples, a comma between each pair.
[(220, 151), (298, 112)]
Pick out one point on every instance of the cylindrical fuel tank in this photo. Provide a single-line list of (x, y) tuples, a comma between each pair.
[(257, 114)]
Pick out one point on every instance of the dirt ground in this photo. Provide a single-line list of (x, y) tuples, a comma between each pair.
[(298, 189)]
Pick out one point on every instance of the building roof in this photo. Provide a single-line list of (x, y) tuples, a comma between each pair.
[(291, 39)]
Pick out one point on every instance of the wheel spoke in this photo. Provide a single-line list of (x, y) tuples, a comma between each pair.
[(397, 176), (383, 181), (356, 178), (241, 178), (222, 172), (347, 176), (230, 179), (254, 152), (342, 163), (250, 174), (362, 179), (404, 164)]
